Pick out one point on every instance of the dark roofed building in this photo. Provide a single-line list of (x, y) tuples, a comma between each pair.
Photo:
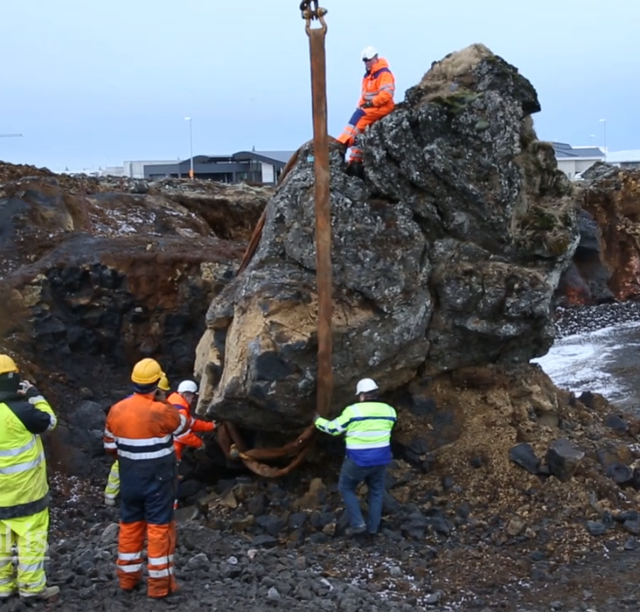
[(261, 167)]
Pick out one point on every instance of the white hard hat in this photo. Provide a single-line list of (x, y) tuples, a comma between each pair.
[(365, 385), (187, 386), (369, 53)]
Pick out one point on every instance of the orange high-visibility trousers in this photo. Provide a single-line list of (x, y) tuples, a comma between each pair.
[(362, 118), (130, 545), (147, 508), (161, 549)]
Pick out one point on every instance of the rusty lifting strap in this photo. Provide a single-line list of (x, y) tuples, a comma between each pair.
[(229, 438), (311, 10)]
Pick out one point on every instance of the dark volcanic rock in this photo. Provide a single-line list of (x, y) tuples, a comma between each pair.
[(563, 458), (523, 455), (617, 423), (586, 280), (620, 473), (447, 255)]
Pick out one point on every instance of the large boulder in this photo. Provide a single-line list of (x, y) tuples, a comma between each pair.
[(445, 256)]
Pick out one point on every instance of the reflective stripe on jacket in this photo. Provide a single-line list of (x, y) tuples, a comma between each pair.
[(188, 438), (367, 428), (379, 86), (141, 430), (24, 489)]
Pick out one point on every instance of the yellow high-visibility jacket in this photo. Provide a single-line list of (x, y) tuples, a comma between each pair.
[(24, 489)]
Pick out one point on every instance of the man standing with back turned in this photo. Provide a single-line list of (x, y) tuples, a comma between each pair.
[(367, 426), (24, 490), (140, 429), (376, 102)]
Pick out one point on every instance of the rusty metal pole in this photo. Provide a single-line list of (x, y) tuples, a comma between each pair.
[(322, 201)]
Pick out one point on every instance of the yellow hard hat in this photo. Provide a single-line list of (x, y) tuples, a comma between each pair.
[(146, 372), (164, 383), (7, 365)]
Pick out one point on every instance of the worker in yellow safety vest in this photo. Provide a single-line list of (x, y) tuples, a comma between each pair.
[(24, 490), (366, 426), (113, 481)]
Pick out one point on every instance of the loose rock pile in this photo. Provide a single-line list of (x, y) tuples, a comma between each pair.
[(584, 319)]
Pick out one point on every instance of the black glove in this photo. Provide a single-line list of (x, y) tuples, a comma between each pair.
[(367, 104), (201, 456)]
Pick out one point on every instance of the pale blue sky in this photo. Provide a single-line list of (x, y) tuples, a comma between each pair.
[(92, 83)]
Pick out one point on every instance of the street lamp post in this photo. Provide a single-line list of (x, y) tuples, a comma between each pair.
[(191, 173), (604, 130)]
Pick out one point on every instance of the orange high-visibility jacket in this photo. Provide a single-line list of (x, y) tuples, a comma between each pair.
[(379, 86), (188, 438), (140, 430)]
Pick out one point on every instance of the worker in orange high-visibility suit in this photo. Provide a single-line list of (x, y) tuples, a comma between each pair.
[(376, 102), (183, 399), (140, 430), (113, 481)]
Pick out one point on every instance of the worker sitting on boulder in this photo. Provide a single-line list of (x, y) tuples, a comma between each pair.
[(376, 101), (113, 482), (367, 427)]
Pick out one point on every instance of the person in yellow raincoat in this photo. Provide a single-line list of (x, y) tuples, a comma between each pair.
[(24, 491)]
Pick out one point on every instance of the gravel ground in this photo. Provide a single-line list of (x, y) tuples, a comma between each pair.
[(222, 564), (219, 571)]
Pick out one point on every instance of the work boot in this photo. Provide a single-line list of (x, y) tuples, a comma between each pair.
[(173, 598), (341, 146), (354, 532), (47, 594), (133, 589), (356, 169)]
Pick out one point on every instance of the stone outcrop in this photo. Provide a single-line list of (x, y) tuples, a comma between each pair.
[(97, 273), (607, 261), (445, 256)]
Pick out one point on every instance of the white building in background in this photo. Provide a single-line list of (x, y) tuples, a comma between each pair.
[(574, 160), (136, 169), (624, 159), (112, 171)]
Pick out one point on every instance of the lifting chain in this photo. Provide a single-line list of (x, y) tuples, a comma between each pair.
[(229, 438)]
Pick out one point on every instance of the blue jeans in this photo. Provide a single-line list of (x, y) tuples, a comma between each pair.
[(351, 475)]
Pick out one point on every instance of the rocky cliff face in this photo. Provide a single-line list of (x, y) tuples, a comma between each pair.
[(607, 261), (447, 255), (95, 274)]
